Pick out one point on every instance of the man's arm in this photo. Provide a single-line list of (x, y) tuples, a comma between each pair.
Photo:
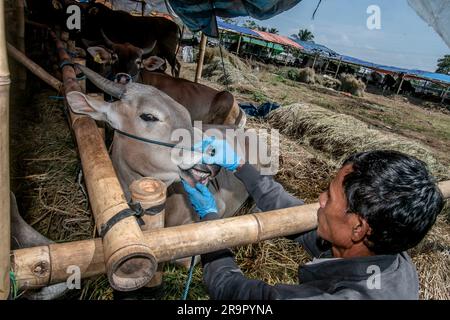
[(265, 191)]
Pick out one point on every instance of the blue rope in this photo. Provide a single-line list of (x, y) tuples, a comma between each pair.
[(189, 279)]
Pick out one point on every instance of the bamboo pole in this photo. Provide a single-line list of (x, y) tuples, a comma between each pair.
[(338, 66), (20, 18), (400, 86), (239, 44), (444, 95), (41, 266), (4, 162), (201, 57), (149, 192), (34, 68), (129, 261)]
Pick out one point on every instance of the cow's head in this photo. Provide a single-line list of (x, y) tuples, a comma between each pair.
[(146, 112), (123, 57)]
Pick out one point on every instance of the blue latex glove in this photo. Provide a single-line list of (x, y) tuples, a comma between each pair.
[(224, 155), (201, 199)]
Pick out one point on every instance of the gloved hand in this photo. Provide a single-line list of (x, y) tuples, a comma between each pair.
[(201, 199), (224, 155)]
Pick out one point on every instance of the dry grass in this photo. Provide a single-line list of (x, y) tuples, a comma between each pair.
[(352, 85), (236, 71), (45, 178), (52, 199), (339, 136)]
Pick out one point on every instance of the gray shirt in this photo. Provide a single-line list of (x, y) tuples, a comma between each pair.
[(375, 277)]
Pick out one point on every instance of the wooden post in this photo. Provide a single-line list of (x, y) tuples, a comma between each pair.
[(34, 268), (444, 95), (314, 62), (201, 57), (4, 162), (130, 263), (339, 65), (400, 86), (34, 68), (239, 44), (151, 193), (20, 18)]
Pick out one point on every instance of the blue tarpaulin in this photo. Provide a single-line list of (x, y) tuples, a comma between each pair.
[(260, 111), (235, 28), (200, 15)]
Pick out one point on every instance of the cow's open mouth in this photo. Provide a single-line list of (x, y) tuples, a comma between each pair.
[(200, 173)]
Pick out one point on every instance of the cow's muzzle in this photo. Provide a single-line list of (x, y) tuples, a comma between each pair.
[(200, 173)]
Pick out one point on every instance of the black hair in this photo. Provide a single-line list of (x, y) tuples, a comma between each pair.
[(396, 195)]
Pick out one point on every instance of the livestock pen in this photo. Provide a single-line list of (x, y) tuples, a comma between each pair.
[(62, 211)]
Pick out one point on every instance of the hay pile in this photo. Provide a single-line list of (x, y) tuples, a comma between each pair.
[(339, 135), (45, 179), (328, 81), (236, 71), (306, 75), (352, 85)]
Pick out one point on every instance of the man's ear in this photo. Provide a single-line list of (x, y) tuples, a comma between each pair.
[(360, 228), (93, 107), (154, 63), (100, 55)]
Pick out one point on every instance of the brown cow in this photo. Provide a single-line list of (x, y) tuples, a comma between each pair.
[(203, 103)]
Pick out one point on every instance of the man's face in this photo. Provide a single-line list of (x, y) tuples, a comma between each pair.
[(334, 223)]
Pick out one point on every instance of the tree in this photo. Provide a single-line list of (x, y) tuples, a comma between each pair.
[(229, 20), (303, 35), (273, 30), (444, 65), (251, 24)]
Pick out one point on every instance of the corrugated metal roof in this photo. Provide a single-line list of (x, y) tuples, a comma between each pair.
[(276, 38)]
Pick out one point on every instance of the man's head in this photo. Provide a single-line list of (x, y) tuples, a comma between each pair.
[(381, 202)]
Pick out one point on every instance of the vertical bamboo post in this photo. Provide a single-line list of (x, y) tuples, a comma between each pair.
[(20, 18), (201, 57), (444, 95), (400, 86), (151, 193), (314, 62), (337, 70), (239, 44), (4, 161)]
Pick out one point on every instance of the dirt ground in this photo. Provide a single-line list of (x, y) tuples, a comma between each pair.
[(51, 196)]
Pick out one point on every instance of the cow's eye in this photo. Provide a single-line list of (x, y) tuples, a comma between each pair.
[(148, 117)]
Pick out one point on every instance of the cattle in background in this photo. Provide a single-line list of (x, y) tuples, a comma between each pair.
[(203, 103), (375, 78), (147, 112), (389, 83), (142, 32), (407, 87)]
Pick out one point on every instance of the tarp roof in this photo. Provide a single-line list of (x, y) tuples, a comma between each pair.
[(436, 13), (312, 47), (276, 38), (200, 15), (234, 28)]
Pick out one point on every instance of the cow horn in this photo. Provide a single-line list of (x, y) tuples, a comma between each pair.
[(108, 42), (149, 49), (114, 89)]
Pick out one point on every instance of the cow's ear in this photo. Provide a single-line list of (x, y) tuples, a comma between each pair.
[(57, 5), (100, 55), (93, 107), (154, 63)]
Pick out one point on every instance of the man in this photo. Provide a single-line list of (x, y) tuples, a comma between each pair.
[(380, 204)]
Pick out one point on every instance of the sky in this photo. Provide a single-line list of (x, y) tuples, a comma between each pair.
[(404, 40)]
